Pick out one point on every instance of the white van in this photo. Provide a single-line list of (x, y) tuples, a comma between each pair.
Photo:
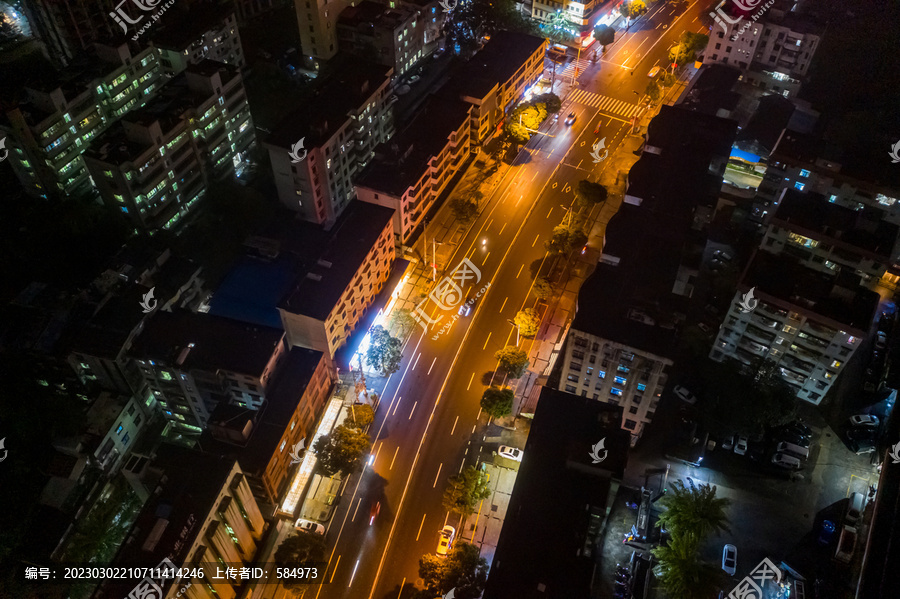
[(788, 462), (793, 450), (855, 509)]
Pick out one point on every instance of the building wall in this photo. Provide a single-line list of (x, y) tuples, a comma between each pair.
[(317, 21), (811, 350), (122, 435), (582, 16), (615, 373), (399, 42), (221, 43)]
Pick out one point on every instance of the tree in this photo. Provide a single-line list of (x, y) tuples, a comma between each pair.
[(564, 240), (698, 512), (464, 210), (686, 49), (384, 351), (295, 551), (497, 402), (680, 570), (341, 450), (632, 9), (551, 101), (653, 92), (463, 569), (605, 35), (361, 416), (465, 490), (512, 360), (542, 288), (559, 28), (527, 322), (590, 193), (403, 320)]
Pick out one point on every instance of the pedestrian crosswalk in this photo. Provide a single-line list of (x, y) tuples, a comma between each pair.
[(604, 103), (569, 71)]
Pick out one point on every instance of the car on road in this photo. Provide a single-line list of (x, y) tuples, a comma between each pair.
[(864, 420), (465, 309), (826, 532), (653, 72), (740, 447), (310, 526), (880, 340), (861, 447), (570, 119), (729, 559), (684, 394), (728, 442), (448, 533), (376, 509), (785, 461), (510, 453)]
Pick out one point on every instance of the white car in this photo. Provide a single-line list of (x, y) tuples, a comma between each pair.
[(685, 395), (740, 447), (864, 420), (728, 442), (729, 559), (653, 72), (880, 340), (310, 526), (448, 533), (510, 453)]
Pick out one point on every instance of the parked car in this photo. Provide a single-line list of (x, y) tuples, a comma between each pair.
[(653, 72), (799, 428), (309, 526), (880, 340), (790, 449), (414, 78), (862, 434), (785, 461), (684, 394), (864, 420), (826, 532), (855, 508), (728, 442), (729, 559), (740, 447), (570, 119), (510, 453), (791, 437), (861, 447), (448, 533)]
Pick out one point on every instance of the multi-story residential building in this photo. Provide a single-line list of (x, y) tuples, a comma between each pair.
[(199, 511), (393, 36), (49, 131), (775, 51), (201, 32), (69, 27), (414, 168), (248, 9), (317, 22), (155, 166), (192, 362), (802, 162), (263, 440), (433, 16), (114, 423), (337, 133), (344, 272), (495, 79), (582, 16), (808, 322)]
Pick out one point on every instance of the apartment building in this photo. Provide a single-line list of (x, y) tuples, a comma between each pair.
[(54, 125), (154, 167), (344, 270), (201, 32), (808, 322), (582, 16), (774, 51), (317, 22), (337, 133), (114, 424), (802, 162), (433, 17), (412, 170), (192, 362), (496, 78), (199, 511), (263, 440), (249, 9), (389, 35), (68, 28)]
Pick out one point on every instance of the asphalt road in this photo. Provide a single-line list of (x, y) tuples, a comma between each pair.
[(429, 409)]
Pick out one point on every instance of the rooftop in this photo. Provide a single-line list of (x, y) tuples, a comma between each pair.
[(328, 260), (401, 161), (179, 32), (711, 91), (766, 126), (558, 496), (368, 15), (347, 90), (497, 62), (194, 340)]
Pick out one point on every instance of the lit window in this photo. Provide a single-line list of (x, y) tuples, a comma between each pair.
[(281, 448), (804, 173), (799, 185), (621, 380), (836, 364), (615, 391)]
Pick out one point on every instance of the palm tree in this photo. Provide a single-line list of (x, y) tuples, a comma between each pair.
[(680, 570), (697, 512)]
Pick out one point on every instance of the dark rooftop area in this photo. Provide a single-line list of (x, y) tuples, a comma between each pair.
[(766, 126), (711, 90), (496, 63), (544, 550), (218, 343), (185, 26), (367, 13), (332, 257)]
